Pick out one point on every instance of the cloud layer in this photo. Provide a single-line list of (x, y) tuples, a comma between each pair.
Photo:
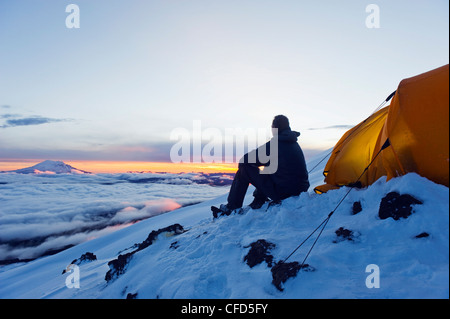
[(40, 214), (339, 126)]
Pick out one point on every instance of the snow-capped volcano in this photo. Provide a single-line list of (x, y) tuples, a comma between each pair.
[(50, 167)]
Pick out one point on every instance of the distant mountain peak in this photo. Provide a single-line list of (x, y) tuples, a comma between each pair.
[(50, 167)]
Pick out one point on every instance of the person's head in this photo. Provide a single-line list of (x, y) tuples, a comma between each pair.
[(281, 123)]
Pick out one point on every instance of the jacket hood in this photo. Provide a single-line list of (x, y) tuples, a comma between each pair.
[(288, 135)]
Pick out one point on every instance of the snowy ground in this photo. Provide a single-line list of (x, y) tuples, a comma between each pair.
[(207, 260)]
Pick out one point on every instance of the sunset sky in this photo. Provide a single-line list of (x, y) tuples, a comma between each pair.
[(112, 91)]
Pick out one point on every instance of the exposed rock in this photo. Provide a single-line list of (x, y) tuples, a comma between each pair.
[(282, 271), (86, 257), (171, 230), (344, 234), (118, 266), (397, 206), (174, 245), (259, 252), (357, 208), (132, 296), (422, 235)]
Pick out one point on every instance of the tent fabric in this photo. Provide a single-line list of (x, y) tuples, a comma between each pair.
[(417, 126)]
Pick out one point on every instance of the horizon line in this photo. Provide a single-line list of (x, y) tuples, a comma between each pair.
[(101, 166)]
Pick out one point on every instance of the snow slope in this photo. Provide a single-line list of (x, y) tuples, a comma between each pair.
[(207, 260)]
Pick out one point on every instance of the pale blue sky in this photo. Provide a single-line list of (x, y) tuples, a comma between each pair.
[(135, 70)]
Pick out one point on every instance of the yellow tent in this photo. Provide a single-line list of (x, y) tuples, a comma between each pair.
[(409, 135)]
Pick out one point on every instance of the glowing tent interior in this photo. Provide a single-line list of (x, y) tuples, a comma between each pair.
[(409, 135)]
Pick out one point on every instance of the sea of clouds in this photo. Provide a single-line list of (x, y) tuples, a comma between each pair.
[(45, 213)]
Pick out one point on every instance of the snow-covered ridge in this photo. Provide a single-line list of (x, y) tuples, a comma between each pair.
[(208, 257)]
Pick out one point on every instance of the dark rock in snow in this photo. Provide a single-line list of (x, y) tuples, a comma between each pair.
[(86, 257), (174, 229), (422, 235), (397, 206), (357, 208), (118, 266), (344, 234), (174, 245), (259, 252), (132, 296), (282, 271)]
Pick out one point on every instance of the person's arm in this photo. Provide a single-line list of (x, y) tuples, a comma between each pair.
[(258, 157)]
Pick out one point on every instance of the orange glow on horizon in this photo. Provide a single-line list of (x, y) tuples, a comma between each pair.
[(123, 167)]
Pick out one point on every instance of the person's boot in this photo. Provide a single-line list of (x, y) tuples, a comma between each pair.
[(274, 203), (223, 209), (258, 202)]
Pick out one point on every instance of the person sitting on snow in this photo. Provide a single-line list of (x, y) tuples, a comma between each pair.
[(284, 173)]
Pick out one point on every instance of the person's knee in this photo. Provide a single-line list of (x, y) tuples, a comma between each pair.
[(243, 166)]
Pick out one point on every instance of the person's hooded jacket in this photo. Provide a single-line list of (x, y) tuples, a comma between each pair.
[(289, 173)]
